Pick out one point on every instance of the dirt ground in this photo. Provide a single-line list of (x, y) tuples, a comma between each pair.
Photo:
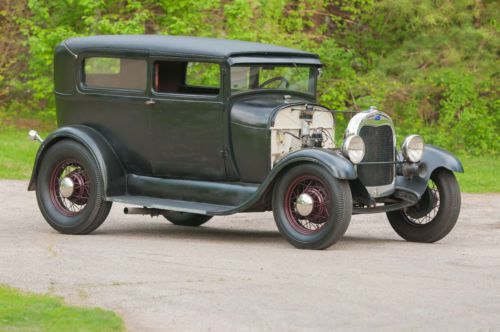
[(236, 273)]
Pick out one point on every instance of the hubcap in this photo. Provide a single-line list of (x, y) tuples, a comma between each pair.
[(66, 187), (305, 204)]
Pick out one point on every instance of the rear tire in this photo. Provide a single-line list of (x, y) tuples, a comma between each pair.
[(322, 221), (435, 215), (82, 209), (186, 219)]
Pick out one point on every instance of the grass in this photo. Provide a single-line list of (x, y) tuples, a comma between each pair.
[(480, 174), (21, 311), (17, 155)]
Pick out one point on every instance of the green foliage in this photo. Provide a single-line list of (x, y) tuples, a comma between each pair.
[(436, 69), (464, 115), (100, 65), (203, 74), (31, 312), (431, 64)]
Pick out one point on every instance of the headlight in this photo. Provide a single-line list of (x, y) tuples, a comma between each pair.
[(413, 148), (354, 148)]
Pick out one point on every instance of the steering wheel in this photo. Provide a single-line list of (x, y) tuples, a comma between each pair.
[(275, 79)]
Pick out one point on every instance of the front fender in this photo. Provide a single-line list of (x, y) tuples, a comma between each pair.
[(340, 168), (338, 165), (432, 159), (109, 165)]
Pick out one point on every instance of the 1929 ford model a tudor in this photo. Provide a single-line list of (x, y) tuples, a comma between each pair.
[(191, 128)]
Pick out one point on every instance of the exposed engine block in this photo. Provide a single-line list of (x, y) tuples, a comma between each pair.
[(298, 127)]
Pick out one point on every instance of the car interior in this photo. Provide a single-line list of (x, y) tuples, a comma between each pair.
[(171, 77)]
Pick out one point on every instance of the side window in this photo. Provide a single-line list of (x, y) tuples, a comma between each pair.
[(196, 78), (115, 73)]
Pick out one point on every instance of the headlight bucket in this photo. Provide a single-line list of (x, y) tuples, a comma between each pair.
[(413, 148), (354, 148)]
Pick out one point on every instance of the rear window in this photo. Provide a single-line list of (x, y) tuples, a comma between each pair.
[(115, 73)]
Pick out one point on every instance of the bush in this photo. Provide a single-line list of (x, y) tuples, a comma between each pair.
[(432, 65)]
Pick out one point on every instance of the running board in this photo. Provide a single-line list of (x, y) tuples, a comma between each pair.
[(212, 192), (173, 205)]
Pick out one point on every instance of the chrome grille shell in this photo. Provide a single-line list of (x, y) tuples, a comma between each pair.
[(380, 143)]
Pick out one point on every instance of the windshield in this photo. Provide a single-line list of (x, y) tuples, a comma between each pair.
[(282, 77)]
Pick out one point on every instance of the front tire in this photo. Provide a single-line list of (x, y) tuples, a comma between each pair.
[(312, 209), (69, 189), (186, 219), (435, 215)]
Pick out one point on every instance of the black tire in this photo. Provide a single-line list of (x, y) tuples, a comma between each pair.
[(186, 219), (435, 215), (93, 209), (332, 208)]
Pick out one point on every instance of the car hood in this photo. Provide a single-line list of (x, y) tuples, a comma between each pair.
[(256, 110)]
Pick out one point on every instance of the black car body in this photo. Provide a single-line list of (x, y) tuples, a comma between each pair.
[(195, 127)]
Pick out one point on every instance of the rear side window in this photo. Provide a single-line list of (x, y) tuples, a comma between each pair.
[(115, 73), (196, 78)]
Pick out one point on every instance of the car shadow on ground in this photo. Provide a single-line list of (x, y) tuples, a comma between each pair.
[(201, 233), (210, 233)]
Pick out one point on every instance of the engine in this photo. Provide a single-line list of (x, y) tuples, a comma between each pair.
[(298, 127)]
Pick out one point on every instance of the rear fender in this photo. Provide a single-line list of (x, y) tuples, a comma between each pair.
[(110, 167)]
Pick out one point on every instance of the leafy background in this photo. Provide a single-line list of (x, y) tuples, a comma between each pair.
[(431, 64)]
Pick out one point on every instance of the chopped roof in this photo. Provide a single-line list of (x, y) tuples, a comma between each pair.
[(179, 45)]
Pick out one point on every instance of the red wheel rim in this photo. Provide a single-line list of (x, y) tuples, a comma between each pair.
[(320, 214), (73, 204)]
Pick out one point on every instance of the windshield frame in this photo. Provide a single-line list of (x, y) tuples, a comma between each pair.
[(273, 59), (312, 80)]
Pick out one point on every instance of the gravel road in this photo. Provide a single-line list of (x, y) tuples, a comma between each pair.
[(237, 274)]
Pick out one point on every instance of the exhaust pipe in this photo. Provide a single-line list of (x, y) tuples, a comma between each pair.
[(142, 211)]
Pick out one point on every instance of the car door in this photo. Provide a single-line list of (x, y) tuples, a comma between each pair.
[(113, 90), (187, 120)]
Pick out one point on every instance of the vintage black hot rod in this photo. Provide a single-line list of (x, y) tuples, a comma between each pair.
[(190, 128)]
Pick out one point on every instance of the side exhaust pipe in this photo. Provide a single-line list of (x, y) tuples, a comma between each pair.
[(142, 211)]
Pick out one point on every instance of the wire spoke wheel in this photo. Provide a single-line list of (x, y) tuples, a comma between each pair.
[(435, 215), (69, 187), (70, 190), (427, 209), (307, 204), (311, 207)]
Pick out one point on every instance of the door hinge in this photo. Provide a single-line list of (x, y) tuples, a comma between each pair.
[(223, 153)]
